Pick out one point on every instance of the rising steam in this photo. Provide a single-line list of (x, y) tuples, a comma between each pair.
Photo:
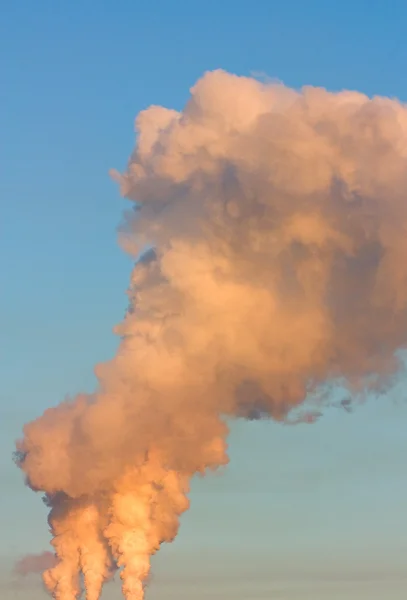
[(269, 228)]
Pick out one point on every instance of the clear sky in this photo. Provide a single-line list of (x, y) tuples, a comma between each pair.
[(302, 512)]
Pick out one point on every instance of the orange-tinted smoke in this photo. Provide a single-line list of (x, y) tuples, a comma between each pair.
[(268, 228)]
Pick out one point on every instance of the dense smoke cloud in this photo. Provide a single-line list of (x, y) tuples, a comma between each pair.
[(269, 233)]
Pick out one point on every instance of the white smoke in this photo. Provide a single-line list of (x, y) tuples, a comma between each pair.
[(269, 231)]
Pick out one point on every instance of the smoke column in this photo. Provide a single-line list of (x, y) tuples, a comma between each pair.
[(268, 229)]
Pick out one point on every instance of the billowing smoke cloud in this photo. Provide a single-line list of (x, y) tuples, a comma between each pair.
[(269, 232)]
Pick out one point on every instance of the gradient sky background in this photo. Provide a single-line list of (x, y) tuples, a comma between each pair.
[(302, 512)]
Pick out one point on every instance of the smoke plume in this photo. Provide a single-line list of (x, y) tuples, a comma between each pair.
[(268, 229)]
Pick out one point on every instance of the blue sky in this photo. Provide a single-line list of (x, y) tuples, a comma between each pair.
[(306, 512)]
